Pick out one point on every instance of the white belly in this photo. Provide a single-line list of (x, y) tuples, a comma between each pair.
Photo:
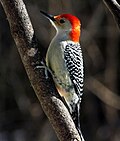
[(55, 61)]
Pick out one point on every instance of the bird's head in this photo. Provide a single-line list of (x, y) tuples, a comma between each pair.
[(66, 23)]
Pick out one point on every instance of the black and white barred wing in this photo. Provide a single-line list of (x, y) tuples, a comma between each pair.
[(74, 63)]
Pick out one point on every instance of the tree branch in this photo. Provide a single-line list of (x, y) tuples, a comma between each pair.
[(103, 93), (23, 34), (114, 7)]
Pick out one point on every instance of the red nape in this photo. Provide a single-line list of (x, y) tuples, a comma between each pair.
[(75, 22)]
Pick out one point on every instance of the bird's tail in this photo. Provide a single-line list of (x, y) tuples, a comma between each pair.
[(76, 118)]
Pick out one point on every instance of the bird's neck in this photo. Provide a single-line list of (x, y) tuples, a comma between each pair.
[(75, 34)]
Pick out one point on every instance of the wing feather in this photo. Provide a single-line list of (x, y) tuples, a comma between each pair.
[(74, 63)]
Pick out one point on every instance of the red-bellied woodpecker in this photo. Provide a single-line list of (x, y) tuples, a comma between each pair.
[(64, 59)]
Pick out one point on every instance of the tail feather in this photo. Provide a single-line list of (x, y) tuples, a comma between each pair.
[(76, 118)]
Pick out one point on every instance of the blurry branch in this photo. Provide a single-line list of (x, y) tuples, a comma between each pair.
[(23, 34), (103, 93), (114, 7)]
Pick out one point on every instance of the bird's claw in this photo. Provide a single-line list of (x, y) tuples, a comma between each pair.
[(43, 66)]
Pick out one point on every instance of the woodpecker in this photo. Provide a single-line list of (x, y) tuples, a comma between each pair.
[(64, 59)]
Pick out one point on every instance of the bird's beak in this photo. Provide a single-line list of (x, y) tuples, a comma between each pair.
[(50, 17)]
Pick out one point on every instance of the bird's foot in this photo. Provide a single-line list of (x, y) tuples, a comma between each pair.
[(43, 66)]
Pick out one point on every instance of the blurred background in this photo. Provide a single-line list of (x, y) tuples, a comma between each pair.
[(21, 115)]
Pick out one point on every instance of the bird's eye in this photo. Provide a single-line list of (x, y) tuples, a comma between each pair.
[(62, 21)]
